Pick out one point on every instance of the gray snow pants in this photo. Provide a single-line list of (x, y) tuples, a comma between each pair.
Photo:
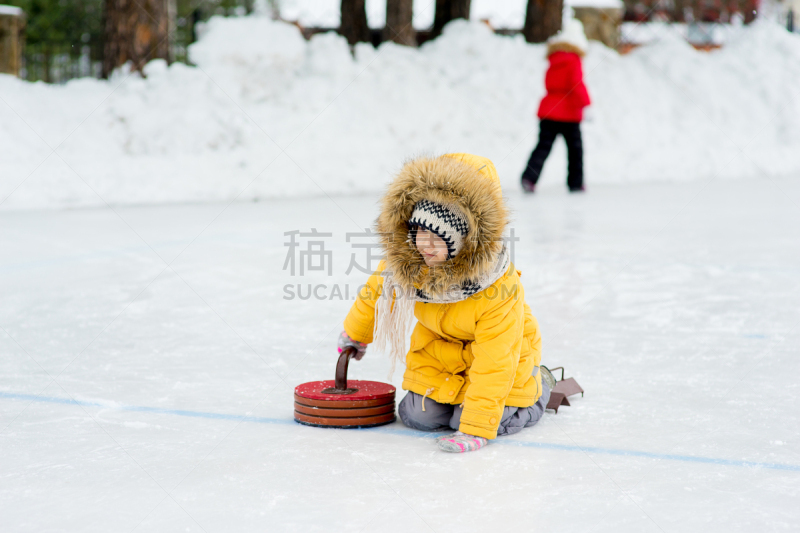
[(440, 415)]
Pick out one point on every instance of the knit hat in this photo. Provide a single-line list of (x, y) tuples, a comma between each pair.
[(446, 221), (571, 35)]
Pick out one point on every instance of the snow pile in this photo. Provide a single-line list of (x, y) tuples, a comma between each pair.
[(14, 11), (267, 114)]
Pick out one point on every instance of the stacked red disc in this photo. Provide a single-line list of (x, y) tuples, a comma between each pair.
[(344, 404), (370, 404)]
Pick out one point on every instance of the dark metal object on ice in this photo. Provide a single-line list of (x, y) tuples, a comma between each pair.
[(340, 403), (563, 389)]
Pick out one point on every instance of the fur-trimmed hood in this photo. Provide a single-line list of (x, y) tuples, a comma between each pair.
[(470, 182), (552, 48)]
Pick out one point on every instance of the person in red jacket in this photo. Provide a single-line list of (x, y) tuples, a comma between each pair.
[(561, 110)]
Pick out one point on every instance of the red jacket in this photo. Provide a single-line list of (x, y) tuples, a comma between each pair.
[(566, 94)]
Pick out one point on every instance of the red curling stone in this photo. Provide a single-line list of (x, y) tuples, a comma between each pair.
[(341, 403)]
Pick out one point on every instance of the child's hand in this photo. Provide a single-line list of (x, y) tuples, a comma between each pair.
[(345, 341), (461, 442)]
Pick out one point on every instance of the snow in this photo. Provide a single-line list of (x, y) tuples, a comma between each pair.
[(14, 11), (508, 14), (673, 304), (315, 13), (150, 351), (266, 114)]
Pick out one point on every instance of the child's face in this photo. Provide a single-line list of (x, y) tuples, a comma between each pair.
[(431, 246)]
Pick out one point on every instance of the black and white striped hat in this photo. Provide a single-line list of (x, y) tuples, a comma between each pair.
[(446, 221)]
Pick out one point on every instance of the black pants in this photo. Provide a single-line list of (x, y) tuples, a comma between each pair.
[(548, 130)]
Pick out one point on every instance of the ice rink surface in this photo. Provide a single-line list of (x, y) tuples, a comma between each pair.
[(149, 356)]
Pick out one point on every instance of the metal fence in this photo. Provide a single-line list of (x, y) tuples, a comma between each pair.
[(58, 64), (63, 61)]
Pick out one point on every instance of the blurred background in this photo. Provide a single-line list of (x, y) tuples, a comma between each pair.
[(63, 39), (154, 101)]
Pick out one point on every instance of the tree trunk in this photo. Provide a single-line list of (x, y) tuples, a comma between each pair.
[(677, 16), (135, 31), (447, 10), (399, 27), (542, 20), (353, 24)]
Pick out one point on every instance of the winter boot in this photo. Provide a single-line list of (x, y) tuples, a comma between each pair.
[(548, 377), (528, 186)]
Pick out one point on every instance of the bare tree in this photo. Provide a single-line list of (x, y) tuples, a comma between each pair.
[(353, 24), (135, 31), (542, 20), (399, 27), (447, 10)]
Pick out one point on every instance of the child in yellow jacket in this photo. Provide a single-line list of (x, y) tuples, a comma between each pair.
[(474, 360)]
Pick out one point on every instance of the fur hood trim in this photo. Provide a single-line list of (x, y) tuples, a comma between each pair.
[(470, 182), (552, 48)]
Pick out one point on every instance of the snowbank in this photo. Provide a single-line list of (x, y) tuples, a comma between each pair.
[(14, 11), (267, 114)]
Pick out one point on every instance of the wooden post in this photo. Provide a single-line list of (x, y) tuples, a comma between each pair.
[(12, 39)]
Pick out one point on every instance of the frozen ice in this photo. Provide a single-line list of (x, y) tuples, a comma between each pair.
[(149, 357)]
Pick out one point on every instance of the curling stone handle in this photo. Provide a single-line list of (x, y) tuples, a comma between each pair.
[(341, 367)]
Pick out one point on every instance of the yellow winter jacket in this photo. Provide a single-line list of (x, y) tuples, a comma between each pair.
[(479, 351)]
